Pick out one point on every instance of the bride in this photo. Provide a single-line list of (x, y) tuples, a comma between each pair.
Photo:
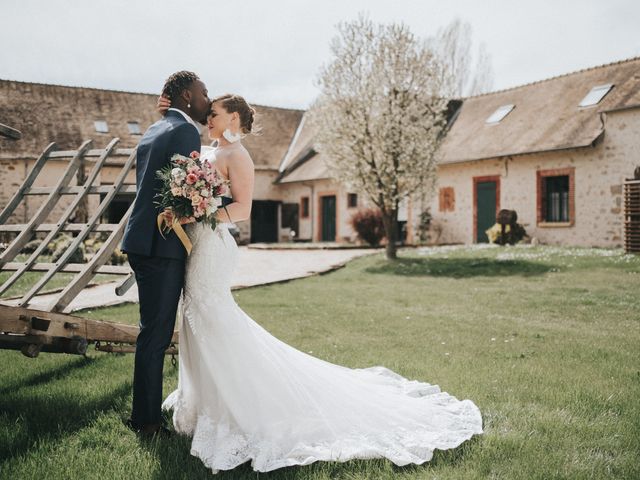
[(245, 395)]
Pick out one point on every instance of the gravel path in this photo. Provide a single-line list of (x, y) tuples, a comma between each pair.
[(255, 267)]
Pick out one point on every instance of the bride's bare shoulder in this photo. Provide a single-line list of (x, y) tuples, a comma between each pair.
[(240, 156)]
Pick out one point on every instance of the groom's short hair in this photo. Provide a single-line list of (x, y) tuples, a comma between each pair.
[(177, 83)]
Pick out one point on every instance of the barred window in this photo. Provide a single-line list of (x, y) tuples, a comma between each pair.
[(555, 199)]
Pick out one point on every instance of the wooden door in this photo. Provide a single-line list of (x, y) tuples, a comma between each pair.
[(486, 203), (264, 221), (328, 218)]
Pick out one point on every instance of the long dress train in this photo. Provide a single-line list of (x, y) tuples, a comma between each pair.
[(245, 395)]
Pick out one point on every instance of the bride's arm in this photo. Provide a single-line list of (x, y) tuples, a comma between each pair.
[(241, 175)]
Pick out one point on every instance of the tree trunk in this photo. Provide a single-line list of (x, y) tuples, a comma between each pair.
[(390, 222)]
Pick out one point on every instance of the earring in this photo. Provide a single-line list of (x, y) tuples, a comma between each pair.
[(231, 137), (188, 105)]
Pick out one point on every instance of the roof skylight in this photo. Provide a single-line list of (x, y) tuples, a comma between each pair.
[(595, 95), (134, 128), (500, 113), (101, 126)]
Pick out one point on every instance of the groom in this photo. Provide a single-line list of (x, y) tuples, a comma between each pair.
[(158, 263)]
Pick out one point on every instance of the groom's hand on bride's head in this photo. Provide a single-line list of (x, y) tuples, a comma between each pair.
[(163, 104)]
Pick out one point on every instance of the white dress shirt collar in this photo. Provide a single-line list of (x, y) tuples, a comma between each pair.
[(186, 117)]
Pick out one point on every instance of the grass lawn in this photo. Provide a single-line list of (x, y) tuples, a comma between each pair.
[(544, 340)]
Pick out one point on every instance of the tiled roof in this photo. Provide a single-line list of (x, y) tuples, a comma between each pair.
[(546, 115), (46, 113)]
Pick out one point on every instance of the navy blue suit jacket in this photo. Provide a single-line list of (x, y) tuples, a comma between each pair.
[(168, 136)]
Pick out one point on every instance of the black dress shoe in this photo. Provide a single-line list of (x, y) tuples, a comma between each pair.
[(133, 426), (155, 432), (148, 431)]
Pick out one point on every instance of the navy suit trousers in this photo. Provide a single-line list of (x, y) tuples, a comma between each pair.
[(160, 281)]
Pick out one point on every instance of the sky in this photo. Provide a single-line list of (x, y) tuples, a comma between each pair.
[(271, 51)]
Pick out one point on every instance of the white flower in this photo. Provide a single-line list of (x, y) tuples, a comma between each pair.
[(178, 173), (204, 192)]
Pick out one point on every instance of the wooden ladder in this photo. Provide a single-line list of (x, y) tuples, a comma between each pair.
[(52, 328)]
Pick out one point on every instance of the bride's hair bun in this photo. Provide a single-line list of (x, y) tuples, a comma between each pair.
[(235, 103)]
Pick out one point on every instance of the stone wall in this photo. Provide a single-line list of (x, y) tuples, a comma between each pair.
[(310, 228), (12, 173), (12, 176), (598, 175)]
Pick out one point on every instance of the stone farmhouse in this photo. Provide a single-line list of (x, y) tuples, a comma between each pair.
[(556, 151)]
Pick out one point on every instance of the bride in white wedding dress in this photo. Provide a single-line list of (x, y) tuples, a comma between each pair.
[(245, 396)]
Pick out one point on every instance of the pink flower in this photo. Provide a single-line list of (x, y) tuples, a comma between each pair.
[(195, 154), (191, 178), (195, 200), (176, 191)]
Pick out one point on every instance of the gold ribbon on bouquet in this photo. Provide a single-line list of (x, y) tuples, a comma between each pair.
[(176, 226)]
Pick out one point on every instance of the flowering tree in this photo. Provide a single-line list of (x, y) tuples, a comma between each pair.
[(380, 116)]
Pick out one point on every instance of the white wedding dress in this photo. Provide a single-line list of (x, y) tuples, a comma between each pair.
[(245, 395)]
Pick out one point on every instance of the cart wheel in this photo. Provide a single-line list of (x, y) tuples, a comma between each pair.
[(78, 345), (31, 350)]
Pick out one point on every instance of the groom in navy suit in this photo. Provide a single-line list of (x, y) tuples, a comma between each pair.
[(158, 263)]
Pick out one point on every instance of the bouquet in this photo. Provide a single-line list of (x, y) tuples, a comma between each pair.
[(191, 187)]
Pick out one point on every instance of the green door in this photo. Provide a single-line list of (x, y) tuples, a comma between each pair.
[(486, 204), (329, 218)]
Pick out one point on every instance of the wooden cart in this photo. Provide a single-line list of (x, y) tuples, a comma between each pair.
[(52, 328)]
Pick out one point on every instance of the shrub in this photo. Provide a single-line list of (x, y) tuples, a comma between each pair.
[(495, 233), (60, 246), (31, 246), (425, 225), (368, 225), (117, 257)]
